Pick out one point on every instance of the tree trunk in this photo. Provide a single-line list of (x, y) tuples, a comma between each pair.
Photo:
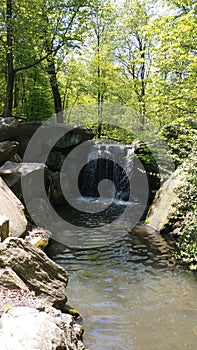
[(10, 65), (99, 94), (55, 90), (143, 87)]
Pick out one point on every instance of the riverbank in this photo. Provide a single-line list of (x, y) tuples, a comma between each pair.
[(33, 301)]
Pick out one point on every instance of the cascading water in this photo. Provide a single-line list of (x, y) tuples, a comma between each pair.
[(111, 162), (108, 201)]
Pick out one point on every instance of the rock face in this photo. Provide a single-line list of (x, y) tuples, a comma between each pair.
[(10, 280), (13, 172), (46, 145), (12, 130), (25, 328), (38, 237), (164, 205), (41, 275), (31, 285), (4, 227), (149, 163), (7, 150), (11, 207)]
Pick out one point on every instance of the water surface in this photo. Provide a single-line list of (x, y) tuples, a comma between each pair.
[(132, 296)]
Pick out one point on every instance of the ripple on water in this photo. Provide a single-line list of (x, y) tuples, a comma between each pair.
[(130, 296)]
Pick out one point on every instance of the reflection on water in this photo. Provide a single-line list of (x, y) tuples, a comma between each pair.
[(131, 296)]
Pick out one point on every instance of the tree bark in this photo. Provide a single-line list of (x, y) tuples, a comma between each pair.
[(10, 66), (55, 90)]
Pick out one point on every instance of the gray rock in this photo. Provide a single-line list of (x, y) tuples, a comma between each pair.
[(14, 130), (11, 207), (13, 172), (40, 211), (56, 194), (7, 150), (51, 134), (6, 127), (38, 237), (41, 275), (164, 205), (25, 328), (10, 280), (55, 160), (64, 136), (4, 227)]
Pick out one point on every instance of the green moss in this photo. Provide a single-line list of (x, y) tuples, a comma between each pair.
[(81, 332), (41, 244), (74, 313)]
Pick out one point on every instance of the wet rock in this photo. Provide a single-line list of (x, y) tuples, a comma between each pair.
[(56, 195), (28, 328), (7, 150), (12, 174), (41, 275), (55, 160), (11, 207)]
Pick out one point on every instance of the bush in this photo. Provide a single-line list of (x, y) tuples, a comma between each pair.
[(181, 137), (187, 216)]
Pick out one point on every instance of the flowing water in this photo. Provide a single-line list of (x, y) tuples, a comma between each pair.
[(131, 295)]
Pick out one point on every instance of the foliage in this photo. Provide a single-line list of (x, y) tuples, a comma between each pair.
[(172, 88), (181, 136), (113, 133), (186, 215), (95, 52)]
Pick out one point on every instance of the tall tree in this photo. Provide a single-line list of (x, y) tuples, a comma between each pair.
[(101, 25), (9, 59), (133, 51), (26, 27), (175, 67)]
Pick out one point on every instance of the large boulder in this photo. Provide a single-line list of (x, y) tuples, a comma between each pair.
[(48, 135), (164, 207), (25, 328), (12, 174), (11, 207), (55, 160), (7, 150), (4, 227), (41, 275), (6, 127), (149, 164), (10, 280)]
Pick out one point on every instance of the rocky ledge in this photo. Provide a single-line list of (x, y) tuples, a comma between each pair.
[(33, 309)]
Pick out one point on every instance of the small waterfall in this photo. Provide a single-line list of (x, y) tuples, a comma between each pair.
[(113, 163)]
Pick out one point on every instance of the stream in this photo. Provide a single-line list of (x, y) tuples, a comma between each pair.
[(131, 294)]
